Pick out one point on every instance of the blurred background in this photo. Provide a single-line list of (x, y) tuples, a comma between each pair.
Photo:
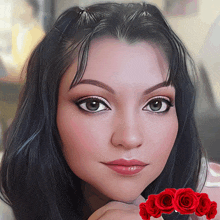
[(23, 23)]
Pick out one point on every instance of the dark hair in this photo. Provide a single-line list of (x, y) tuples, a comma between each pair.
[(35, 178)]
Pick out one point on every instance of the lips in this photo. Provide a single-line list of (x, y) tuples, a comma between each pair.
[(126, 167), (122, 162)]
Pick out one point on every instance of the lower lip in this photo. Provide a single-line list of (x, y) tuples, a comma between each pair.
[(126, 170)]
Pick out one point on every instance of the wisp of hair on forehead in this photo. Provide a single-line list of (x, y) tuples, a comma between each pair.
[(35, 178)]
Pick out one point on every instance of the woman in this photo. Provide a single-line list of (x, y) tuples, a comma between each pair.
[(105, 118)]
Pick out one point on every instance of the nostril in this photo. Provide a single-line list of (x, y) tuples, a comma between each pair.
[(127, 131), (126, 140)]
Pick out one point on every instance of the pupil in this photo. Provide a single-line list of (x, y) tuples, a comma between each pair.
[(92, 105), (156, 105)]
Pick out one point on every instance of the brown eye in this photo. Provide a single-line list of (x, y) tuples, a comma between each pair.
[(92, 105), (158, 105)]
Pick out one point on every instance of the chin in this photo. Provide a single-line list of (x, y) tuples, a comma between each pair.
[(125, 196), (126, 199)]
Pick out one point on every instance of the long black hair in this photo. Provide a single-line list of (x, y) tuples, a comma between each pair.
[(35, 178)]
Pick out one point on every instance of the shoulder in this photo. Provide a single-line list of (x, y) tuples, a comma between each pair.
[(212, 185), (5, 212)]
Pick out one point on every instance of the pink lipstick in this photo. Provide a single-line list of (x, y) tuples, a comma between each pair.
[(126, 167)]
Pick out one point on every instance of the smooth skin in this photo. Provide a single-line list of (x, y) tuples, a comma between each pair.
[(121, 109)]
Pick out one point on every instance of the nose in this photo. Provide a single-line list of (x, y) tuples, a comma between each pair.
[(128, 132)]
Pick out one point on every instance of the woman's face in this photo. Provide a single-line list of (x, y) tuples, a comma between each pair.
[(120, 110)]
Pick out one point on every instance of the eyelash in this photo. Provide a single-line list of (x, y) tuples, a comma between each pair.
[(103, 102), (168, 103), (92, 98)]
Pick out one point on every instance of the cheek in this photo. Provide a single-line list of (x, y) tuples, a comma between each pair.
[(166, 135), (160, 141), (164, 129), (163, 135), (82, 143), (76, 136), (76, 145)]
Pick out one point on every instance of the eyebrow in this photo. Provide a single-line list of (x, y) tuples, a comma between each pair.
[(95, 83), (109, 89)]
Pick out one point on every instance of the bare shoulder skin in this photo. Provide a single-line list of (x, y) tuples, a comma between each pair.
[(212, 185)]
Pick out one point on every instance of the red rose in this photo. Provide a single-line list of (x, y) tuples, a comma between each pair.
[(185, 201), (204, 204), (212, 211), (151, 207), (164, 200), (172, 189), (143, 212)]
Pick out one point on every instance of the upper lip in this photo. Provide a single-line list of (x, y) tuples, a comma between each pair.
[(123, 162)]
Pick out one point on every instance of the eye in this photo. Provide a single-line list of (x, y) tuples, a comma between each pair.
[(92, 104), (158, 105)]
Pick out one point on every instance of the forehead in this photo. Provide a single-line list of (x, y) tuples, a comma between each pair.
[(119, 58), (117, 61)]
